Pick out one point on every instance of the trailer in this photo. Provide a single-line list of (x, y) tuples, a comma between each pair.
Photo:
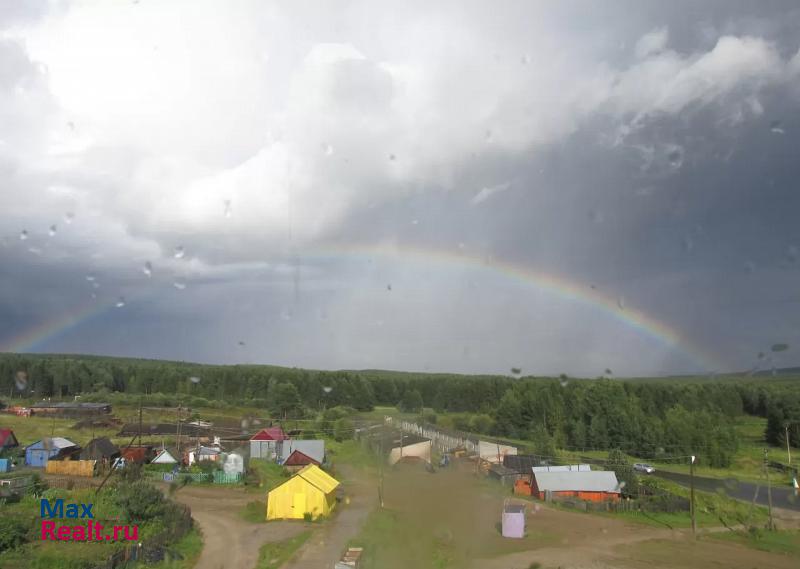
[(351, 558)]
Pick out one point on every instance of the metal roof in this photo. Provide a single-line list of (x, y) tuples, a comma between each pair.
[(68, 405), (314, 475), (562, 468), (591, 481), (314, 449), (270, 434), (53, 443)]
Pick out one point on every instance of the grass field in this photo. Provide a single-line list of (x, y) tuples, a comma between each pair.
[(274, 555), (782, 542)]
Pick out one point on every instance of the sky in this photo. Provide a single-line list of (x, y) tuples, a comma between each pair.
[(465, 186)]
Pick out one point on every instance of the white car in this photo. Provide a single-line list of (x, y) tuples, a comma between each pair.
[(642, 467)]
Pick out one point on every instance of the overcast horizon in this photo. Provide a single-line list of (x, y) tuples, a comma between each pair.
[(462, 187)]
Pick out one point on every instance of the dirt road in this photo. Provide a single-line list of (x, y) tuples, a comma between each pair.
[(229, 540), (326, 545)]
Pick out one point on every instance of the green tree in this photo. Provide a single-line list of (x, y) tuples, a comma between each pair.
[(13, 532), (626, 476), (411, 401), (284, 400), (343, 429)]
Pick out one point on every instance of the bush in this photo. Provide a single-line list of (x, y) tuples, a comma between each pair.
[(13, 532), (140, 502)]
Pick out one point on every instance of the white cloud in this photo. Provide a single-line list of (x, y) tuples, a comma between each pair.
[(651, 43)]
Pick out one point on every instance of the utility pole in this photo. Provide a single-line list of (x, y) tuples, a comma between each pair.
[(691, 494), (788, 451), (178, 436), (140, 421), (771, 525)]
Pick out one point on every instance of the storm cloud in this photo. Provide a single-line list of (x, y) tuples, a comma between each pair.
[(461, 187)]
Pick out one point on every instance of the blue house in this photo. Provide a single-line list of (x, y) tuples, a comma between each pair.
[(41, 451)]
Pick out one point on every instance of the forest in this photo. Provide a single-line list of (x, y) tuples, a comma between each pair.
[(649, 417)]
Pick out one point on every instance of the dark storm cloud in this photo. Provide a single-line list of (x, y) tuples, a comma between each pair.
[(641, 151)]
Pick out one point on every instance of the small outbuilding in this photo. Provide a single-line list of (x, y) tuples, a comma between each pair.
[(411, 448), (493, 452), (40, 452), (314, 449), (165, 456), (8, 439), (592, 486), (298, 460), (100, 449), (513, 520), (310, 492), (267, 443)]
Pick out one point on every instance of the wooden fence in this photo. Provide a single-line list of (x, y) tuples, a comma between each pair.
[(71, 467)]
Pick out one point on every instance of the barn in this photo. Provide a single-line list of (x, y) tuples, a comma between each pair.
[(314, 449), (309, 492), (592, 486), (267, 443), (40, 452)]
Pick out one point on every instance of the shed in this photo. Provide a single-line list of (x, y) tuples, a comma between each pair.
[(297, 460), (8, 439), (513, 520), (138, 454), (504, 475), (593, 486), (494, 452), (411, 448), (165, 456), (310, 491), (5, 464), (314, 449), (41, 451), (267, 443), (100, 449)]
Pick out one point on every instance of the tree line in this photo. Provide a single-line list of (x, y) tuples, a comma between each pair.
[(648, 418)]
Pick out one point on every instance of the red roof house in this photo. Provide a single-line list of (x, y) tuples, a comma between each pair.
[(7, 439), (267, 443), (270, 434)]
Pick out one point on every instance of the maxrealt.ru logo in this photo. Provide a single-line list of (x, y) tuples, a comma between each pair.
[(91, 530)]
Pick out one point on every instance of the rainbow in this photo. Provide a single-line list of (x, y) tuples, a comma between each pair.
[(547, 282)]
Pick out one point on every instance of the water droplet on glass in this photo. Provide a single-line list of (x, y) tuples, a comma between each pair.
[(675, 157), (23, 235), (779, 347), (327, 149), (228, 210), (487, 136), (286, 314), (147, 269), (194, 379), (21, 380), (179, 252), (563, 381), (95, 284), (596, 216), (68, 217), (389, 287), (120, 302), (775, 127), (793, 253), (327, 389), (415, 222), (90, 277), (35, 250), (688, 244), (392, 157), (749, 267), (609, 372), (760, 355), (516, 371), (52, 231), (241, 342), (525, 59), (179, 284), (93, 295), (621, 303)]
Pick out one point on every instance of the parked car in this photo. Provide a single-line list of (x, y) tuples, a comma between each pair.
[(645, 468)]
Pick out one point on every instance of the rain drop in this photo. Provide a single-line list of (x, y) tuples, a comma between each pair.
[(688, 244), (564, 382), (516, 371), (621, 303), (415, 222), (389, 287), (488, 137), (286, 315), (327, 149), (775, 127), (52, 231), (68, 217), (392, 157), (761, 355), (327, 389), (194, 379), (179, 284), (21, 380), (23, 235), (90, 277), (793, 253), (596, 216), (95, 285), (241, 342), (525, 59), (609, 372), (228, 211), (749, 267), (120, 302), (35, 250), (147, 269), (179, 252), (779, 347)]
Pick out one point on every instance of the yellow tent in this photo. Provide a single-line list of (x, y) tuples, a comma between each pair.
[(310, 491)]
